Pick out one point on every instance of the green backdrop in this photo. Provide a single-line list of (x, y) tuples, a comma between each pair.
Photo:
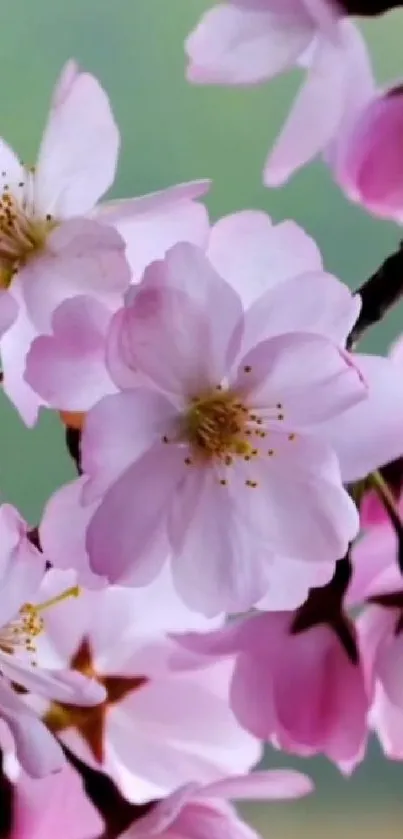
[(173, 132)]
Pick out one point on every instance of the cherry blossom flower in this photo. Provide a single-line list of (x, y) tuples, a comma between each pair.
[(54, 242), (239, 42), (201, 812), (299, 690), (159, 725), (213, 431), (21, 572)]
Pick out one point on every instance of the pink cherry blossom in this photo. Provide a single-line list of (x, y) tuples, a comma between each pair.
[(202, 812), (21, 572), (298, 691), (216, 434), (161, 724), (240, 42), (41, 806), (55, 242)]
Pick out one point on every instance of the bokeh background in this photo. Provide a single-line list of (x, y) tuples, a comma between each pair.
[(171, 133)]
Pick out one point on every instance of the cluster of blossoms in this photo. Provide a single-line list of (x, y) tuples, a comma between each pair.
[(226, 569)]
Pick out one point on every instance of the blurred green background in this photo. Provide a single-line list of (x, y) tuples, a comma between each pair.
[(173, 132)]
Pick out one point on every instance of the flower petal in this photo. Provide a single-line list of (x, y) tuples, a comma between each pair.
[(78, 155), (82, 257), (63, 529), (307, 375), (254, 255), (137, 503), (323, 305), (183, 325), (117, 431), (37, 750), (68, 368), (269, 785), (152, 224), (315, 116), (370, 433), (234, 45)]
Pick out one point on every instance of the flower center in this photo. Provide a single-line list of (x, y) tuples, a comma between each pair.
[(20, 633), (90, 721), (216, 425), (22, 235)]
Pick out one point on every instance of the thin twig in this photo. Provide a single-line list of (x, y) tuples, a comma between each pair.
[(379, 294)]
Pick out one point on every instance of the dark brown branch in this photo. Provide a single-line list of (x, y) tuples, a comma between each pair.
[(379, 294), (73, 443), (325, 606), (369, 8), (6, 803), (117, 813)]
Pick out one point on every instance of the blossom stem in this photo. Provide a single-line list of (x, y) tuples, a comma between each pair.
[(379, 294), (386, 497)]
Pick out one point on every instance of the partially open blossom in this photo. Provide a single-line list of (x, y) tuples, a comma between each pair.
[(159, 726), (21, 616), (369, 167), (202, 812), (299, 691)]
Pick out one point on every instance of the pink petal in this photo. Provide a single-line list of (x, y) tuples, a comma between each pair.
[(189, 730), (39, 805), (117, 431), (11, 165), (323, 305), (37, 750), (299, 507), (15, 345), (269, 785), (253, 255), (368, 167), (21, 567), (375, 570), (137, 504), (232, 45), (152, 224), (306, 374), (218, 564), (66, 686), (389, 669), (183, 326), (290, 581), (75, 167), (63, 530), (315, 117), (369, 434), (82, 257), (8, 311), (68, 368)]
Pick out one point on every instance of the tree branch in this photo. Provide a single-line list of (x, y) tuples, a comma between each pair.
[(117, 813), (379, 294)]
